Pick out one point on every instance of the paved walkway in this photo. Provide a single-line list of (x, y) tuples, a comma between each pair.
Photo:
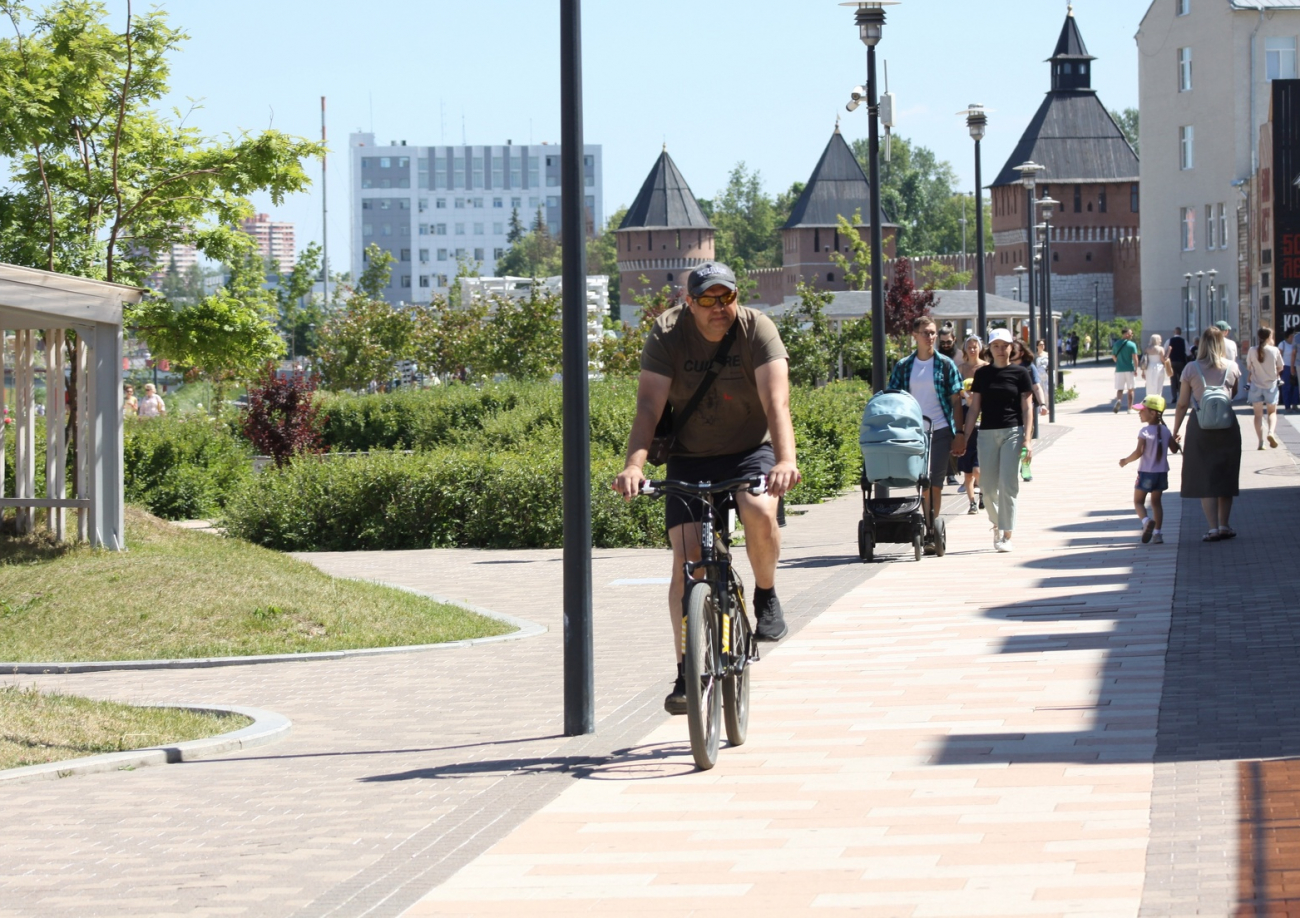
[(981, 734)]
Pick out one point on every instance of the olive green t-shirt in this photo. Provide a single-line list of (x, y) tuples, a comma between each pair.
[(730, 417)]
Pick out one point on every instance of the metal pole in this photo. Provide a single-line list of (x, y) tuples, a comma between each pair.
[(1096, 323), (324, 215), (579, 672), (1030, 280), (1049, 323), (983, 319), (878, 375)]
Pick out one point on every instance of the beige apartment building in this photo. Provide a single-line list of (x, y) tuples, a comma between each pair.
[(274, 240), (1204, 71)]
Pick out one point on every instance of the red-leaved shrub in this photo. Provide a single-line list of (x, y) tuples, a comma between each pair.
[(282, 417)]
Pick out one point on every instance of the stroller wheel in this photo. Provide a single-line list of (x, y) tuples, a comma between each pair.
[(940, 537), (866, 544), (918, 546)]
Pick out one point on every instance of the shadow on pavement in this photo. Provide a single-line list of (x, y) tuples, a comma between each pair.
[(1231, 674), (630, 764)]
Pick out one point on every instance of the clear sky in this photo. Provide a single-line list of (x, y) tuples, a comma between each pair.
[(718, 80)]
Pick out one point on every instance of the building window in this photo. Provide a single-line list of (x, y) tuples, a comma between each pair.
[(403, 203), (1101, 199), (498, 202), (552, 202), (385, 162), (424, 229), (476, 202), (534, 203), (460, 229), (1209, 226), (498, 254), (441, 203), (460, 203), (1188, 232), (441, 230), (478, 229), (1087, 256), (404, 229), (1186, 135), (1133, 199), (424, 256), (1279, 58), (1184, 69), (1183, 7), (830, 277), (424, 280), (516, 203), (478, 254), (386, 230), (367, 183), (424, 204), (1078, 199), (442, 254), (368, 204), (406, 281), (552, 181), (403, 162), (1223, 226), (385, 183), (406, 255), (498, 228), (367, 229)]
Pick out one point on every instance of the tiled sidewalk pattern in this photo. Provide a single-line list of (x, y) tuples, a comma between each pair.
[(974, 737)]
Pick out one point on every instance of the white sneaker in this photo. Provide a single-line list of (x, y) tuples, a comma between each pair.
[(1004, 545), (961, 489)]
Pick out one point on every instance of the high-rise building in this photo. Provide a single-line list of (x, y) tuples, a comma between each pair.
[(1092, 172), (181, 256), (1205, 69), (433, 207), (274, 240)]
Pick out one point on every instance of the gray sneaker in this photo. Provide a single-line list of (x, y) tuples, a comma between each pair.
[(1157, 539), (771, 623)]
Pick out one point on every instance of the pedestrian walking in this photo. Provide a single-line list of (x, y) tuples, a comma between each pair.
[(152, 405), (1002, 399), (1264, 367), (1155, 366), (1212, 453), (1176, 354), (1020, 354), (947, 346), (969, 462), (1087, 344), (1290, 382), (130, 404), (1152, 456), (1074, 348), (1124, 352)]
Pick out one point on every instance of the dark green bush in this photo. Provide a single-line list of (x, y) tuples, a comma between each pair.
[(183, 468), (439, 498)]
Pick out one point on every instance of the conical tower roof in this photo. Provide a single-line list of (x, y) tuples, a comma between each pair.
[(1072, 133), (838, 187), (665, 201)]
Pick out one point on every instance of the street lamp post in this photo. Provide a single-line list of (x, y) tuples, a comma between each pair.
[(977, 122), (1019, 272), (1214, 316), (1200, 296), (1029, 178), (1049, 334), (870, 19), (1187, 303), (1096, 321)]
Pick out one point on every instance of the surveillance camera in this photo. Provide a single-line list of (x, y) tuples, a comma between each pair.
[(859, 93), (852, 106)]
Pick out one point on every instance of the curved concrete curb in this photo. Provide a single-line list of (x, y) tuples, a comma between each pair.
[(267, 727), (526, 628)]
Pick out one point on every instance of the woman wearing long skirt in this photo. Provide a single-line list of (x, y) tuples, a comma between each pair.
[(1002, 399), (1211, 458)]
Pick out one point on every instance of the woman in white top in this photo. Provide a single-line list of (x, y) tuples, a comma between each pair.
[(1264, 364), (1290, 389), (151, 406), (1155, 364)]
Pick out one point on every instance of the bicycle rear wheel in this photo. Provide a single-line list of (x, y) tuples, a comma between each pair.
[(735, 685), (702, 665)]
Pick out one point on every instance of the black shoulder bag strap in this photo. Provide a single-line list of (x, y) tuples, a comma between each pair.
[(669, 423)]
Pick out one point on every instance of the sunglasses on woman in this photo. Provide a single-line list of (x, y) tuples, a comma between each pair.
[(708, 302)]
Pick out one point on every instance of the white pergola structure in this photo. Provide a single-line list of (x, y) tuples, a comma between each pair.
[(34, 302)]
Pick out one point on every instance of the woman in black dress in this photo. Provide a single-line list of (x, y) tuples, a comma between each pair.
[(1211, 458)]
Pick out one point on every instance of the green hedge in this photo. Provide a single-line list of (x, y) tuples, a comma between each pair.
[(494, 481), (182, 468)]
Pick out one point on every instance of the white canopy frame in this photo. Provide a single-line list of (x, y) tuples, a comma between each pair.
[(33, 301)]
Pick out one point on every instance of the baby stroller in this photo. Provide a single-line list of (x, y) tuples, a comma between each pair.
[(895, 441)]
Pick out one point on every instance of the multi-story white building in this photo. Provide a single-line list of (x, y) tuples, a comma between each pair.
[(1204, 72), (274, 240), (432, 207)]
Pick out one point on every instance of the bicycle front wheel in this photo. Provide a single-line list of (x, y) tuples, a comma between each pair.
[(703, 664), (735, 687)]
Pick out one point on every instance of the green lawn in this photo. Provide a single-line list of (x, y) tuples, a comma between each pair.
[(178, 594), (36, 728)]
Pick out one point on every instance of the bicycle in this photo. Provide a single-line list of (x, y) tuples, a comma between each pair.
[(717, 638)]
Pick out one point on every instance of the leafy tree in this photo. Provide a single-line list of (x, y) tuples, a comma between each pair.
[(916, 189), (860, 249), (812, 344), (182, 286), (748, 223), (517, 230), (282, 419), (903, 302), (364, 340), (100, 183), (525, 335), (298, 313), (536, 254), (1128, 123), (602, 258), (226, 336), (938, 276), (451, 340), (621, 355)]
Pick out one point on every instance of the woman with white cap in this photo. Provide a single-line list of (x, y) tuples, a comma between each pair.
[(1002, 399)]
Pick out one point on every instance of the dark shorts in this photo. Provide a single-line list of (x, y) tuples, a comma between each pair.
[(970, 460), (1152, 481), (679, 510), (940, 451)]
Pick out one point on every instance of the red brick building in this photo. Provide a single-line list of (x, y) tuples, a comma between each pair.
[(1093, 172)]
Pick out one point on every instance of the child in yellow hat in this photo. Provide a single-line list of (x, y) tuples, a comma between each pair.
[(1152, 456)]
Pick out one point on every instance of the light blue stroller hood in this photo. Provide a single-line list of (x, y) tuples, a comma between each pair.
[(893, 440)]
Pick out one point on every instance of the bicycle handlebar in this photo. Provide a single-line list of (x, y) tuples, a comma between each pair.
[(755, 485)]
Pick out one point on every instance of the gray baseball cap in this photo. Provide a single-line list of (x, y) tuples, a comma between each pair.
[(710, 274)]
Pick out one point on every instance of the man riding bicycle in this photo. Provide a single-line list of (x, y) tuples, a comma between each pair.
[(740, 427)]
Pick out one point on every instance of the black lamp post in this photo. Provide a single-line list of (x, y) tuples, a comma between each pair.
[(1096, 321), (1200, 296), (977, 122), (1019, 272), (1049, 334), (1029, 178), (1187, 303), (870, 19), (1214, 316)]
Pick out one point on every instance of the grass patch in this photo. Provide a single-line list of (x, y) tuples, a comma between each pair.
[(177, 594), (36, 728)]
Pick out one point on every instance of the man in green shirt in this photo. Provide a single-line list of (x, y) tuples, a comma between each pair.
[(1124, 353)]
